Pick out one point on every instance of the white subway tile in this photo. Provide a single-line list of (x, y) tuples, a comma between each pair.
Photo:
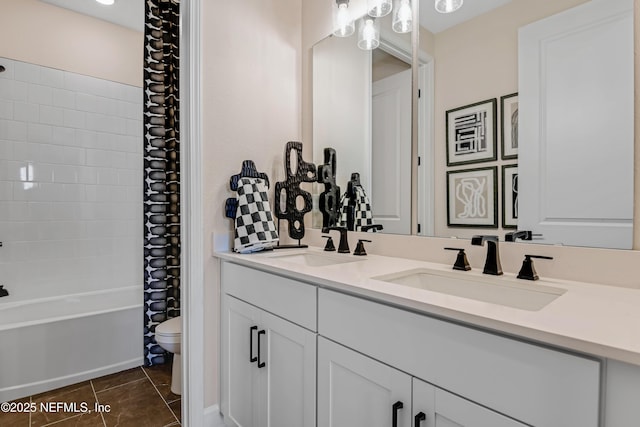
[(39, 94), (65, 136), (65, 174), (74, 119), (41, 133), (26, 112), (98, 158), (6, 190), (26, 72), (66, 211), (6, 149), (6, 109), (38, 212), (51, 115), (12, 130), (64, 98), (107, 176), (51, 77), (87, 175)]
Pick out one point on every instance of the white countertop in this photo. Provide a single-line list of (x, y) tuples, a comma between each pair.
[(595, 319)]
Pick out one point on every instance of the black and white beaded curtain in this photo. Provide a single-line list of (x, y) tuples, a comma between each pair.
[(161, 171)]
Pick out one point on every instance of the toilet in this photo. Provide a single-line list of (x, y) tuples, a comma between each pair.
[(169, 337)]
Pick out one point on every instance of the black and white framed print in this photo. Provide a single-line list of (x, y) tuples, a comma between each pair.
[(471, 133), (472, 199), (509, 126), (510, 196)]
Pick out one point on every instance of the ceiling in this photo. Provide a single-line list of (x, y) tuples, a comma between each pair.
[(128, 13), (437, 22)]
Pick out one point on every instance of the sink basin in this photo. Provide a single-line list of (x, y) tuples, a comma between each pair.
[(524, 295), (312, 259)]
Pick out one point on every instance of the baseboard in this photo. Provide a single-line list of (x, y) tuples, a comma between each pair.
[(213, 417)]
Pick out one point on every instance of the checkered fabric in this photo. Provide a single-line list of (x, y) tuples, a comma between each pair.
[(255, 229), (362, 209)]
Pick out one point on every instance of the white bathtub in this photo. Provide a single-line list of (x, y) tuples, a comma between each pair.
[(54, 342)]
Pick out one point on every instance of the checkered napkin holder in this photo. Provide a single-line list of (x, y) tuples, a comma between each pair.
[(255, 229)]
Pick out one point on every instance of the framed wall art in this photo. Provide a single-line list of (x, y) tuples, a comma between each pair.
[(509, 126), (471, 133), (510, 196), (472, 197)]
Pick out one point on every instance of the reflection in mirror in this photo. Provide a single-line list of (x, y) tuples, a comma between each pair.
[(362, 110), (572, 172)]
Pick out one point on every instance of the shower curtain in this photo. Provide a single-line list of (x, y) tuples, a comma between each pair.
[(161, 171)]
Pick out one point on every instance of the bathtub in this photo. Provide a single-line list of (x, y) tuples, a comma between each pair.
[(54, 342)]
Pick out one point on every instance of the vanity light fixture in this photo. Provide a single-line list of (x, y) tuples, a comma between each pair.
[(106, 2), (379, 8), (402, 17), (368, 27), (343, 22), (448, 6), (368, 33)]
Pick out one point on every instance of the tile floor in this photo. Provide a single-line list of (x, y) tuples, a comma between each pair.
[(138, 397)]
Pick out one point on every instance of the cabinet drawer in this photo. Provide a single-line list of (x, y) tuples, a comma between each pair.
[(290, 299), (531, 383)]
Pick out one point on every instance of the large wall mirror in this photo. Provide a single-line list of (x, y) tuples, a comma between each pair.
[(525, 121)]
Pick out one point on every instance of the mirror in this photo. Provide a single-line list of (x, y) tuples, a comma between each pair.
[(475, 55)]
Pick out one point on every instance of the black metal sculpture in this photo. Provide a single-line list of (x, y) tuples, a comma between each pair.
[(248, 171), (290, 188), (329, 200)]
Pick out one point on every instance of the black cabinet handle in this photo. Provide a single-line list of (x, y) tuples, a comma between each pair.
[(260, 363), (396, 407), (251, 357), (420, 416)]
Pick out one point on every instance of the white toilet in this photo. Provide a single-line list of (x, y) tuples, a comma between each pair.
[(169, 337)]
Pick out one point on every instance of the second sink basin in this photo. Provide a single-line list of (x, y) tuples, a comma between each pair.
[(500, 290), (313, 259)]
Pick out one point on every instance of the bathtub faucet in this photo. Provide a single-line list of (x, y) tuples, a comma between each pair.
[(3, 291)]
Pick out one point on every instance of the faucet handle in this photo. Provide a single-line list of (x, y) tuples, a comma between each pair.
[(329, 247), (528, 271), (462, 263), (360, 247)]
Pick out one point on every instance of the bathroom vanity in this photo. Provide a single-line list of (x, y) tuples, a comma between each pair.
[(311, 338)]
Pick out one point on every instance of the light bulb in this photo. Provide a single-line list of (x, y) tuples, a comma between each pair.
[(448, 6), (342, 21), (379, 8), (402, 17), (106, 2), (369, 34)]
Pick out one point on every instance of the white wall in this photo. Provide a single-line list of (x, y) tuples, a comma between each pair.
[(251, 59), (70, 182)]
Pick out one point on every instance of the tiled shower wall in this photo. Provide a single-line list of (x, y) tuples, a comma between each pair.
[(70, 182)]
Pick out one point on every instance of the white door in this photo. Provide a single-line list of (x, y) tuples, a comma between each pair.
[(240, 375), (391, 153), (576, 113), (443, 409), (288, 379), (356, 391)]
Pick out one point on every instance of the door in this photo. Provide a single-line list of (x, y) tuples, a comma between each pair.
[(391, 153), (356, 391), (443, 409), (288, 379), (576, 124), (240, 375)]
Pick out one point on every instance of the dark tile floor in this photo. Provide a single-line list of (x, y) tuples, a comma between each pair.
[(138, 397)]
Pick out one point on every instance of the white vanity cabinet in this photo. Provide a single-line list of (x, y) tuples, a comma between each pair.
[(357, 391), (268, 362), (362, 362)]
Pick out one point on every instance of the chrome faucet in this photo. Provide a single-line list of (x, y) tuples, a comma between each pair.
[(492, 263), (343, 246)]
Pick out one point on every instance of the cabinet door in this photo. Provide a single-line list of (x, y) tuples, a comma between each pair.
[(240, 375), (443, 409), (356, 391), (288, 378)]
